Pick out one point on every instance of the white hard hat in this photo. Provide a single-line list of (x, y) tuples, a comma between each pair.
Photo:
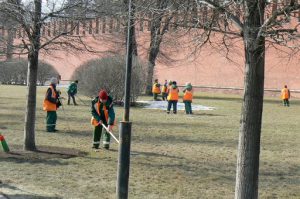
[(53, 80)]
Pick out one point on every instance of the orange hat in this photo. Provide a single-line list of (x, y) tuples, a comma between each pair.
[(103, 95)]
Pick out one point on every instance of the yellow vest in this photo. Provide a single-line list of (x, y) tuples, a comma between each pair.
[(285, 93), (164, 89)]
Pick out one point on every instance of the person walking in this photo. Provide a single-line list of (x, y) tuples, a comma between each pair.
[(102, 113), (285, 96), (173, 97), (164, 92), (72, 91), (51, 104), (188, 98), (156, 89)]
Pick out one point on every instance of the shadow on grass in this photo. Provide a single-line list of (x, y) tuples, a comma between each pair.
[(152, 154), (43, 155), (26, 195), (236, 99), (68, 118), (13, 109), (76, 133), (240, 99), (3, 127), (15, 116), (162, 139), (29, 196), (197, 114), (212, 171), (281, 172), (163, 125)]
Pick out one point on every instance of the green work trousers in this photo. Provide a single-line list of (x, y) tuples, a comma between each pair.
[(97, 136), (51, 121), (155, 95), (188, 107), (286, 102)]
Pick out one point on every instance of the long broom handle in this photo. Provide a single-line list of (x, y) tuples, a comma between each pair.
[(110, 133)]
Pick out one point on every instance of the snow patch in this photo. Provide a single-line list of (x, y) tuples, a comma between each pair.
[(162, 105)]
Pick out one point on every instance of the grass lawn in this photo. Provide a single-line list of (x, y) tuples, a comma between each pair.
[(173, 156)]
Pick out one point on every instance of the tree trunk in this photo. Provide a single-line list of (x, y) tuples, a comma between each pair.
[(158, 29), (150, 73), (9, 45), (29, 133), (33, 58), (134, 43), (251, 117)]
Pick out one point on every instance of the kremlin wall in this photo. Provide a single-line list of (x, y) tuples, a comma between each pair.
[(208, 66)]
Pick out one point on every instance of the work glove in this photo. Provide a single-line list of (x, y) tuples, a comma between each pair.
[(110, 128)]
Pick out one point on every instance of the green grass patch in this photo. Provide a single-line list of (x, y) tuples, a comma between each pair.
[(173, 156)]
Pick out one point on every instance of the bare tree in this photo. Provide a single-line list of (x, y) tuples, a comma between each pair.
[(31, 19), (162, 15), (159, 17), (256, 23)]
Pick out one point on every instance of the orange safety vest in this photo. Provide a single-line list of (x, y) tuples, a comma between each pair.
[(94, 122), (188, 96), (285, 94), (173, 94), (155, 89), (47, 105)]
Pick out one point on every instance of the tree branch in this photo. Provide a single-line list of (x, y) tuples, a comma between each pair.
[(219, 8)]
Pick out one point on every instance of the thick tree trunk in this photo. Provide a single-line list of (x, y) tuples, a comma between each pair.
[(150, 73), (251, 117), (9, 45), (29, 133), (134, 43), (33, 58), (154, 50)]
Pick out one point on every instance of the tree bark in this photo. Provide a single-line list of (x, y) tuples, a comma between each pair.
[(33, 58), (252, 108), (151, 64), (29, 133), (10, 41)]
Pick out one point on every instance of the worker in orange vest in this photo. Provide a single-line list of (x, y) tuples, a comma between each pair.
[(164, 92), (188, 98), (285, 96), (51, 103), (156, 89), (169, 87), (102, 113), (173, 97)]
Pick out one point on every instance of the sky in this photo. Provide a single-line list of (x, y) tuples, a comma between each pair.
[(48, 5)]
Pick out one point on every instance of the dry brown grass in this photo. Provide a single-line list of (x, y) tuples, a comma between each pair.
[(173, 156)]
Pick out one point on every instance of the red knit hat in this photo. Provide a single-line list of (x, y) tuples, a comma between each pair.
[(103, 95)]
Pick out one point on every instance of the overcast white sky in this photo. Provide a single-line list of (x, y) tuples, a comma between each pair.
[(48, 5)]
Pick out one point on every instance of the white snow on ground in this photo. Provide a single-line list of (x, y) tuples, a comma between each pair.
[(162, 105)]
